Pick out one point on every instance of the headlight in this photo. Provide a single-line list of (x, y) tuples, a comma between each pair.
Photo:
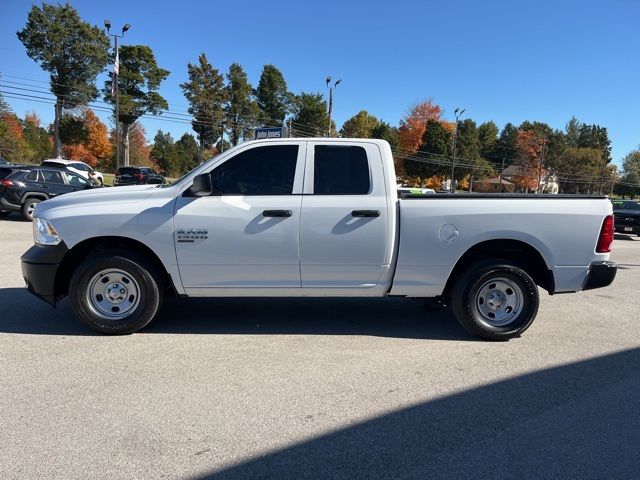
[(44, 233)]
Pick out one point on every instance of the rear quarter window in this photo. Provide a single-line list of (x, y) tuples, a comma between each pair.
[(341, 170)]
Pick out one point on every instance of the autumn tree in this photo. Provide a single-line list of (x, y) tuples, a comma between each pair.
[(273, 97), (414, 124), (71, 50), (139, 80), (12, 143), (241, 108), (361, 125), (529, 145), (139, 150), (206, 94)]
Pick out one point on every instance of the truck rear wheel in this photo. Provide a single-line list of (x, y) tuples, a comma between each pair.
[(495, 300), (115, 292)]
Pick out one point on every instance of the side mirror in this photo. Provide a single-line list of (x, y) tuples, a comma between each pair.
[(202, 186)]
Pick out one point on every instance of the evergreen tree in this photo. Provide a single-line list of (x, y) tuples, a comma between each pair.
[(164, 154), (310, 115), (206, 94), (384, 131), (274, 100), (488, 136), (433, 152), (71, 50), (188, 152), (241, 109)]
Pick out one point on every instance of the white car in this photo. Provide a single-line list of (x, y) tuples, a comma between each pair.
[(76, 166), (314, 217)]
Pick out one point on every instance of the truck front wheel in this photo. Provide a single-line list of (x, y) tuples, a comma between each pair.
[(495, 300), (115, 292)]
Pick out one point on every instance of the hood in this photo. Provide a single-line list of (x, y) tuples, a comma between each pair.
[(107, 195)]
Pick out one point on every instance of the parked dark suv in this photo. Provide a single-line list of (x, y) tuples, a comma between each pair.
[(137, 176), (23, 189), (626, 214)]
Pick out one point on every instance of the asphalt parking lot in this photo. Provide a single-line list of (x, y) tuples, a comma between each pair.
[(330, 389)]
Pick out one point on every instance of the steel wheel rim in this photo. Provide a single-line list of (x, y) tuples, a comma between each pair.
[(31, 207), (113, 294), (499, 301)]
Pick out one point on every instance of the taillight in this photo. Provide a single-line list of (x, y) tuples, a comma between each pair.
[(606, 236), (6, 183)]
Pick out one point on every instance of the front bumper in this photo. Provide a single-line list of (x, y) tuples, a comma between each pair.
[(40, 266), (601, 274)]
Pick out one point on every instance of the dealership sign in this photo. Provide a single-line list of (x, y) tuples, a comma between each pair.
[(262, 133)]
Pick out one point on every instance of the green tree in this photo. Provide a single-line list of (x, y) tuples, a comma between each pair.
[(241, 108), (384, 131), (73, 130), (71, 50), (139, 81), (37, 139), (361, 125), (310, 118), (164, 154), (436, 144), (595, 136), (488, 136), (579, 169), (572, 132), (4, 106), (274, 100), (468, 151), (188, 152), (206, 94), (631, 163), (506, 147)]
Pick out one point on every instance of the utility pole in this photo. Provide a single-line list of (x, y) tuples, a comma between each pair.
[(501, 170), (114, 88), (544, 142), (331, 88), (457, 113)]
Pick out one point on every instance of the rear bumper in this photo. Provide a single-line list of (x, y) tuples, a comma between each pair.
[(601, 274), (40, 266), (634, 229), (8, 206)]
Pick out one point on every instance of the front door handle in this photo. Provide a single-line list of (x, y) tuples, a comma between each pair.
[(277, 213), (366, 213)]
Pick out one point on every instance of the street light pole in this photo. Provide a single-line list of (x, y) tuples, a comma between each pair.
[(331, 87), (457, 113), (115, 89)]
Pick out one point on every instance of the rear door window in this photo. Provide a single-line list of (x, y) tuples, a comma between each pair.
[(52, 177), (34, 176), (340, 170)]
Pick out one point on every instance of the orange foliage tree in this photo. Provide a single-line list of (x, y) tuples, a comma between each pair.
[(97, 137), (79, 152), (529, 145), (139, 150), (414, 124)]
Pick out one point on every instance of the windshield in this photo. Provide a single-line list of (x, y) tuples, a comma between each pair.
[(626, 205)]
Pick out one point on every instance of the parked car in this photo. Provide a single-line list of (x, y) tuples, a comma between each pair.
[(24, 189), (137, 176), (314, 217), (77, 167), (3, 161), (415, 191), (627, 216)]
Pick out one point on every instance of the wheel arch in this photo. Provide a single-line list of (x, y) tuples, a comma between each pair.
[(521, 253), (38, 195), (82, 250)]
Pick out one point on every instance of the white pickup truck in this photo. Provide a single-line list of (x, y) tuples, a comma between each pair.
[(313, 217)]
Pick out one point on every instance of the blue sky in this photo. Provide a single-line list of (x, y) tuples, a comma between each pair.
[(501, 60)]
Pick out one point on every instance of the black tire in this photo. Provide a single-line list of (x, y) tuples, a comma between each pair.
[(28, 207), (466, 301), (139, 269)]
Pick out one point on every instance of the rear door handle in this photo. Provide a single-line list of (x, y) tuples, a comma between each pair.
[(366, 213), (277, 213)]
